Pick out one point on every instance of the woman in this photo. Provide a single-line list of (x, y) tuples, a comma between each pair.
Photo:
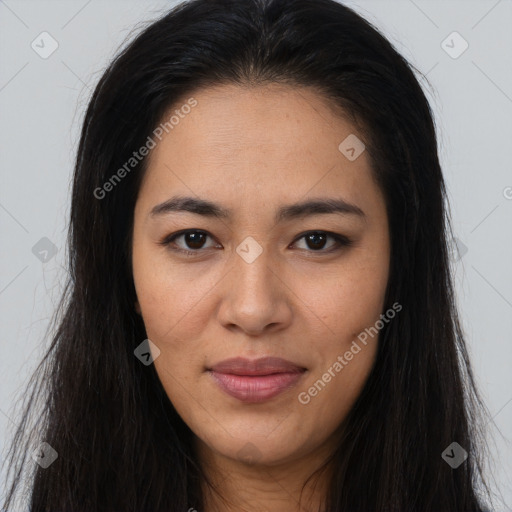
[(260, 314)]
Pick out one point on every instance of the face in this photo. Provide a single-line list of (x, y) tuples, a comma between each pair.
[(251, 277)]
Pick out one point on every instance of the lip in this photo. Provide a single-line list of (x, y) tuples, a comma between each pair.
[(256, 380)]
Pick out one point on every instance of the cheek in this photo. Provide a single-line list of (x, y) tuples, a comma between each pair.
[(349, 304), (175, 326), (175, 310), (172, 297), (348, 301)]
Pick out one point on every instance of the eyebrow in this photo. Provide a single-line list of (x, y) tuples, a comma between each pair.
[(284, 213)]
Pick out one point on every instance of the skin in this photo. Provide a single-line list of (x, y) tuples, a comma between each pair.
[(253, 149)]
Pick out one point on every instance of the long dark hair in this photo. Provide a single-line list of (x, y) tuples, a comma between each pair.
[(120, 443)]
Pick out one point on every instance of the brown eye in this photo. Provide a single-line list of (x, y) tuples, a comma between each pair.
[(316, 241), (192, 241)]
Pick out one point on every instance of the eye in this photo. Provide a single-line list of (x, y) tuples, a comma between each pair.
[(316, 240), (194, 239)]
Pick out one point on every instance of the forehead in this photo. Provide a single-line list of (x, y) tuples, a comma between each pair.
[(255, 145), (274, 117)]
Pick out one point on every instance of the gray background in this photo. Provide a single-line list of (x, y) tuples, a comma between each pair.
[(42, 103)]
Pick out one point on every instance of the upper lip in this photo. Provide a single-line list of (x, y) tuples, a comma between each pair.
[(262, 366)]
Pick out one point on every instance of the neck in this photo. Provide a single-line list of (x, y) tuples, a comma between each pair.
[(242, 487)]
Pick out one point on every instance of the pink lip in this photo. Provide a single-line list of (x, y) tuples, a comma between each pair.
[(256, 380)]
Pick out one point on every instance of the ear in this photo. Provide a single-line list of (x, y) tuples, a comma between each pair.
[(137, 307)]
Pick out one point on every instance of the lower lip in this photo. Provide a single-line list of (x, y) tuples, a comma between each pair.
[(256, 388)]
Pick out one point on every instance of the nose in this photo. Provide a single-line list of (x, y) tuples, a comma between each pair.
[(255, 296)]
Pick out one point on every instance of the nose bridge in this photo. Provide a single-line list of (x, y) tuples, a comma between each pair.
[(253, 275), (254, 296)]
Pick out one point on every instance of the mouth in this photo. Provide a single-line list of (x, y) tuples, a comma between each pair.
[(253, 381)]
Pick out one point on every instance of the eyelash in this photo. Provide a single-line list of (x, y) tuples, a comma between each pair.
[(341, 241)]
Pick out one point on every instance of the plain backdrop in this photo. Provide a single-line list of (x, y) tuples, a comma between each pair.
[(42, 102)]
